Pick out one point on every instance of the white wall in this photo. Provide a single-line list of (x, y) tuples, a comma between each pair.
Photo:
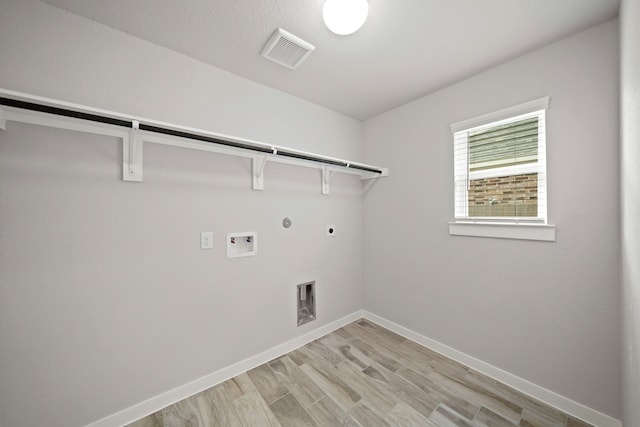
[(547, 312), (630, 181), (105, 297)]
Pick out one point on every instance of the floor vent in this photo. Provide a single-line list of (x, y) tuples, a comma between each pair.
[(286, 49)]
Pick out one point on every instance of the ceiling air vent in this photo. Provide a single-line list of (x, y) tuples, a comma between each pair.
[(286, 49)]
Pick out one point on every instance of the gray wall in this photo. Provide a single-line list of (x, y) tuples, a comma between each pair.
[(105, 297), (547, 312), (630, 181)]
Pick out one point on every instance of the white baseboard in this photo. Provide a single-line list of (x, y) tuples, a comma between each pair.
[(156, 403), (549, 397)]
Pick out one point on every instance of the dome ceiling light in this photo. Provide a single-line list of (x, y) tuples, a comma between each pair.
[(345, 17)]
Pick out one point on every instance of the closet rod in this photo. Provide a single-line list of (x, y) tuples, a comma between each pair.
[(25, 105)]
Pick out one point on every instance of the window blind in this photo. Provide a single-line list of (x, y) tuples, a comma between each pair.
[(506, 145)]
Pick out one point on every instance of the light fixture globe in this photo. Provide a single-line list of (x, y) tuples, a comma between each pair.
[(345, 17)]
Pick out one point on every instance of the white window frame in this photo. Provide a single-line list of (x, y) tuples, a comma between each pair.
[(527, 228)]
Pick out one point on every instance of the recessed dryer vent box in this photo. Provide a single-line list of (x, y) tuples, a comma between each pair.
[(242, 244), (306, 302)]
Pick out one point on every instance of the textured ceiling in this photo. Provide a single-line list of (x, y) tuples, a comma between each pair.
[(406, 49)]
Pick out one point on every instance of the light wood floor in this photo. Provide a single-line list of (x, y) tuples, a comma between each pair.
[(360, 375)]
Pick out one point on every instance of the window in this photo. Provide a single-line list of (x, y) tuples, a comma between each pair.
[(500, 174)]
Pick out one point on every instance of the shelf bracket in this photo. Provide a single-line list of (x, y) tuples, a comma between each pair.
[(3, 121), (326, 179), (132, 154), (258, 163)]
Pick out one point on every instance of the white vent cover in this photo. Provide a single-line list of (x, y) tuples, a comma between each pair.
[(286, 49)]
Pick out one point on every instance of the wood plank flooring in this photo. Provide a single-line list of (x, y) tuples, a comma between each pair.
[(360, 375)]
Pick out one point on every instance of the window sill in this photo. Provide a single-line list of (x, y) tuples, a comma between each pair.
[(501, 230)]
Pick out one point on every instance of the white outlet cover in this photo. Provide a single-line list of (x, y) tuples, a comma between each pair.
[(206, 240), (331, 230)]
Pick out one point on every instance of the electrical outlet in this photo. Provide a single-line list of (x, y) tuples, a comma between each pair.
[(206, 240), (331, 230)]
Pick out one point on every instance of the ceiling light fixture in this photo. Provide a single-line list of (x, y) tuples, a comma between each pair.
[(345, 17)]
